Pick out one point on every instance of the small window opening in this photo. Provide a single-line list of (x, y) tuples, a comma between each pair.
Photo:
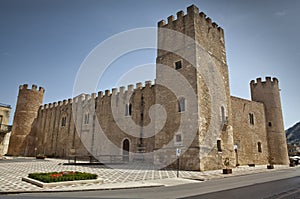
[(178, 138), (259, 147), (63, 121), (219, 145), (223, 114), (178, 65), (128, 109), (251, 117), (86, 118), (181, 105)]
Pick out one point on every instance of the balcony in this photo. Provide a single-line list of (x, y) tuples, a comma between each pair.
[(5, 128)]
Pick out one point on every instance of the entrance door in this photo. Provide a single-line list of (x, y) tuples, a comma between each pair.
[(126, 150)]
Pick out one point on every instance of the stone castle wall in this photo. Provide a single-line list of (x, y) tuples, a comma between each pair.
[(22, 136), (268, 93), (200, 49), (247, 136), (101, 135)]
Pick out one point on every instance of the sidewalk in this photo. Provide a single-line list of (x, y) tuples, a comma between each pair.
[(135, 175)]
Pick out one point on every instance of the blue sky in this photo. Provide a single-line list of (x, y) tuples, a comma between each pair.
[(44, 42)]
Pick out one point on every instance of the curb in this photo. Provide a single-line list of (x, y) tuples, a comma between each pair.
[(80, 190), (54, 184)]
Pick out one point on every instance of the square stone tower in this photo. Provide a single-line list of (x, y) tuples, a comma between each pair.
[(192, 85)]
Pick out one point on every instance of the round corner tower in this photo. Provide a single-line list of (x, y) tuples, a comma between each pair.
[(267, 92), (28, 103)]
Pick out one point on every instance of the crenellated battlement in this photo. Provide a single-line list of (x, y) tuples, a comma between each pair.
[(192, 12), (268, 81), (197, 27), (106, 94), (33, 88)]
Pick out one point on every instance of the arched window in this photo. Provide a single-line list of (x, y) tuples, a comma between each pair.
[(126, 148), (181, 104), (259, 147)]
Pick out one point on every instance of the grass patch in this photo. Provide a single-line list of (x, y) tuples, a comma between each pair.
[(62, 176)]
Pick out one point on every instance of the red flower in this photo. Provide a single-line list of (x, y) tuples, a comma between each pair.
[(56, 175)]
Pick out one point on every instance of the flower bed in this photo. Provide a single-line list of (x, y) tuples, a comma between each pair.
[(62, 176)]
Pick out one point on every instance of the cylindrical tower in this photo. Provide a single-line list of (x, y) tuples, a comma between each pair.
[(267, 92), (28, 103)]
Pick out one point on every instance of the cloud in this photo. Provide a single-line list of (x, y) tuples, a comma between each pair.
[(280, 13)]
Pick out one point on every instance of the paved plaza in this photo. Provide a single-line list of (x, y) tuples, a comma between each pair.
[(117, 176)]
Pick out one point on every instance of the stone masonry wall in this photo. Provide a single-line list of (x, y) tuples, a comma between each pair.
[(247, 135), (268, 93), (28, 103), (101, 135)]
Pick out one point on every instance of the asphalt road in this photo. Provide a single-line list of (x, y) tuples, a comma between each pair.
[(276, 184)]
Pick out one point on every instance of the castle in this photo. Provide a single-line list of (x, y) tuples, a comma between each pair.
[(188, 107)]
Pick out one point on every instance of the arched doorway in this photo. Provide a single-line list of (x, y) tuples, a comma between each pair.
[(126, 150)]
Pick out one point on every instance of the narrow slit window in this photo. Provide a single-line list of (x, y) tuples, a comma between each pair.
[(223, 114), (219, 145), (251, 118), (181, 105), (86, 118), (128, 109), (63, 121), (259, 147)]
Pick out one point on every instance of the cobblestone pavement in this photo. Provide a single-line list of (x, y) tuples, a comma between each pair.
[(12, 170)]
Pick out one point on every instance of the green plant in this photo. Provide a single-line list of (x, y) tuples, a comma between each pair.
[(62, 176)]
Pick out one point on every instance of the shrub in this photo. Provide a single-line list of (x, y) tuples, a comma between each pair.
[(62, 176)]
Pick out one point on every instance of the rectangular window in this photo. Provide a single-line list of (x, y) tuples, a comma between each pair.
[(178, 138), (251, 118), (63, 121), (219, 145), (181, 105), (128, 109), (178, 65)]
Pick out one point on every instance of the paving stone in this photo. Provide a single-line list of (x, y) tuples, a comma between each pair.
[(12, 171)]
